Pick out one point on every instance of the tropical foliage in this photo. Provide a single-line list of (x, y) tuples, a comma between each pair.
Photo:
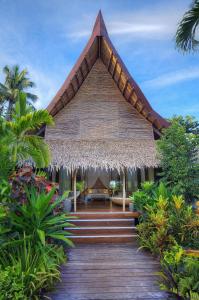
[(178, 150), (18, 140), (166, 225), (180, 273), (31, 239), (29, 269), (32, 236), (15, 81), (187, 29), (36, 218)]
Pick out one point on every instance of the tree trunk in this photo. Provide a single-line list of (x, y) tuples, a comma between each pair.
[(9, 111)]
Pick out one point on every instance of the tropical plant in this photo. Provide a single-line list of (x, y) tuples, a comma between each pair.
[(183, 222), (180, 273), (29, 269), (15, 81), (143, 196), (165, 219), (19, 135), (37, 219), (187, 29), (154, 229), (178, 151), (190, 124), (80, 186), (148, 194)]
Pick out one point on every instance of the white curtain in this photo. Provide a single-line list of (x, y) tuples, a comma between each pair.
[(92, 175)]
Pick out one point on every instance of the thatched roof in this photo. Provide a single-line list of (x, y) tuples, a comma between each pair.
[(100, 46), (70, 147), (103, 154)]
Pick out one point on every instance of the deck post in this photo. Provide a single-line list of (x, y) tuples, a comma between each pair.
[(124, 190), (74, 189)]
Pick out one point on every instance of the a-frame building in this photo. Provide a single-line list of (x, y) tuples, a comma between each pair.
[(104, 124)]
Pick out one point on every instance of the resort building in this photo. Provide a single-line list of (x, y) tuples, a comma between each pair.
[(105, 129)]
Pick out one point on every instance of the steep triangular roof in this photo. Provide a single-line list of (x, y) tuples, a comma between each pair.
[(100, 46)]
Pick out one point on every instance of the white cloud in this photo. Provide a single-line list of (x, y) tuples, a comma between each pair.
[(47, 85), (171, 78), (154, 22)]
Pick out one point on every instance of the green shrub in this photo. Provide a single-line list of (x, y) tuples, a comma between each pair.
[(29, 269), (165, 219), (178, 149), (154, 229), (148, 195), (143, 196), (11, 284), (31, 235), (37, 218), (180, 273)]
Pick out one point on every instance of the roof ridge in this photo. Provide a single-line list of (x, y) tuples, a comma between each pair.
[(99, 28)]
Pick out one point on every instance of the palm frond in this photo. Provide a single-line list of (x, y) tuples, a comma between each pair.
[(32, 97), (186, 32)]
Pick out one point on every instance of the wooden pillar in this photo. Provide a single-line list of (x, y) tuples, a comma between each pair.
[(54, 174), (74, 189), (142, 174), (124, 190), (134, 180), (151, 174)]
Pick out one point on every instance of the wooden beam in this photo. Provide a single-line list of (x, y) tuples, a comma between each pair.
[(114, 69), (140, 108), (136, 101), (87, 66), (99, 46), (62, 102), (77, 80), (71, 83), (151, 173), (124, 190), (131, 93), (142, 172), (125, 86), (118, 82), (75, 189), (110, 59), (80, 69)]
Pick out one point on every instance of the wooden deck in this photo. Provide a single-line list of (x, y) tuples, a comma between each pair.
[(99, 205), (109, 272)]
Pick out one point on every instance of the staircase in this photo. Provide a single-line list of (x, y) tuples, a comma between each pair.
[(103, 227)]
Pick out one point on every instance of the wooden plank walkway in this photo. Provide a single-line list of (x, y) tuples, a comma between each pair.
[(108, 272)]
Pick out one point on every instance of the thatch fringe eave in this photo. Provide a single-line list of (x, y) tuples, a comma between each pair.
[(104, 154)]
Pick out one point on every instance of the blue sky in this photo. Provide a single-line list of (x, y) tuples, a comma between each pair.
[(47, 36)]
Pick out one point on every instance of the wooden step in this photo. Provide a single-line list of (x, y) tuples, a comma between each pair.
[(94, 239), (105, 215), (103, 230), (103, 222)]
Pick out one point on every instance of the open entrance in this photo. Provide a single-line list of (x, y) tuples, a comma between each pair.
[(99, 189)]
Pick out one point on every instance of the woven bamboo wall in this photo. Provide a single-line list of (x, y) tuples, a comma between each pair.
[(99, 111)]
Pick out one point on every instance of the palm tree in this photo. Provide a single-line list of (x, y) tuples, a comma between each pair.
[(187, 29), (15, 81), (19, 134)]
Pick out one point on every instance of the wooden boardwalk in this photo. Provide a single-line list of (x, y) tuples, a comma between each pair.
[(108, 272)]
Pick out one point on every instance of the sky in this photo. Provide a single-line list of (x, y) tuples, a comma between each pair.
[(47, 37)]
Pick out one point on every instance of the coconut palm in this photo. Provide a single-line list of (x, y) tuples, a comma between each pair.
[(19, 135), (15, 81), (187, 29)]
